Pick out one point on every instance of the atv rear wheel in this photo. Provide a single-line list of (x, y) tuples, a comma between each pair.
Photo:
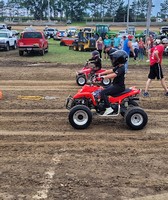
[(130, 103), (80, 117), (81, 80), (136, 118)]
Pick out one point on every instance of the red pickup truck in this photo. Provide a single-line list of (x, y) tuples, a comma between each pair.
[(33, 41)]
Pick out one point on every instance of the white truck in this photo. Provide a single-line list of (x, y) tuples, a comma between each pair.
[(7, 41)]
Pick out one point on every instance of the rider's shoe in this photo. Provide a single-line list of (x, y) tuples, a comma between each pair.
[(166, 94), (146, 94), (108, 111)]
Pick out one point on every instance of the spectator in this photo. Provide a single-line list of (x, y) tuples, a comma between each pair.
[(136, 48), (127, 46), (107, 43), (141, 49), (148, 45), (116, 42), (122, 41), (80, 35), (156, 54), (99, 46)]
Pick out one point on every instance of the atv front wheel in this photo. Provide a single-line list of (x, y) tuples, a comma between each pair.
[(81, 80), (80, 117), (136, 118), (106, 82)]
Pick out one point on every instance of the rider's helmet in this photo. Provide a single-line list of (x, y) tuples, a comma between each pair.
[(95, 54), (118, 57), (110, 50)]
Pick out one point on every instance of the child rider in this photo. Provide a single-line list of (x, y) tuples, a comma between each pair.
[(96, 61), (118, 59)]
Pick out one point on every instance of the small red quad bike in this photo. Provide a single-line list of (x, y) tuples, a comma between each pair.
[(84, 75), (87, 99)]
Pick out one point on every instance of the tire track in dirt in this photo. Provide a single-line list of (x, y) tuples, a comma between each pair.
[(107, 160)]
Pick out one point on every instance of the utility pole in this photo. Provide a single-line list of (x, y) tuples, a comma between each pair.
[(148, 17), (49, 10), (128, 14)]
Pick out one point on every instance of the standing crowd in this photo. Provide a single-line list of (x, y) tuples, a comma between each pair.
[(153, 49)]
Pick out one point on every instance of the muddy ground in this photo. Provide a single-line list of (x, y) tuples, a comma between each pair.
[(43, 157)]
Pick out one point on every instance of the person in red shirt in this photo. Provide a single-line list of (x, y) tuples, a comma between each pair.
[(141, 49), (156, 55)]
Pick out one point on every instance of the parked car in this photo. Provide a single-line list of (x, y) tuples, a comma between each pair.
[(88, 29), (122, 33), (143, 34), (69, 21), (50, 32), (163, 30), (15, 32), (5, 26), (67, 41), (60, 34), (32, 42), (7, 41), (72, 31)]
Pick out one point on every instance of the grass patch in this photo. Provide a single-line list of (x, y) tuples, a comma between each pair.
[(62, 54)]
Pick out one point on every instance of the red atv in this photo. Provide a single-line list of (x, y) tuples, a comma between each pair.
[(84, 75), (88, 98)]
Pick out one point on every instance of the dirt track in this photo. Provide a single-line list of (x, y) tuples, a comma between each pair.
[(43, 157)]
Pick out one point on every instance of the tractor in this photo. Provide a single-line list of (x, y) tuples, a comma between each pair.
[(86, 42), (104, 29)]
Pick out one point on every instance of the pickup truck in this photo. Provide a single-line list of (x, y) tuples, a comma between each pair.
[(32, 41), (7, 41)]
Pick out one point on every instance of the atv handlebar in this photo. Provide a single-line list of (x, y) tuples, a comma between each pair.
[(87, 65), (95, 79)]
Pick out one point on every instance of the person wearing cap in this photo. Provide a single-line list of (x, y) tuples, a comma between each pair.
[(156, 55), (127, 46)]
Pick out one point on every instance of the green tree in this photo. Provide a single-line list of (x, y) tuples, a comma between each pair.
[(164, 9), (112, 8), (139, 9), (75, 10), (121, 12), (1, 7)]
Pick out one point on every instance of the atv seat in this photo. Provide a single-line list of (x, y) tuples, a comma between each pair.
[(121, 93)]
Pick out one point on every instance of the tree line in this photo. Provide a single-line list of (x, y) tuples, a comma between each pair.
[(87, 9)]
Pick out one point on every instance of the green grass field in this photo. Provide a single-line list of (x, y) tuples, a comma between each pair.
[(62, 54)]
